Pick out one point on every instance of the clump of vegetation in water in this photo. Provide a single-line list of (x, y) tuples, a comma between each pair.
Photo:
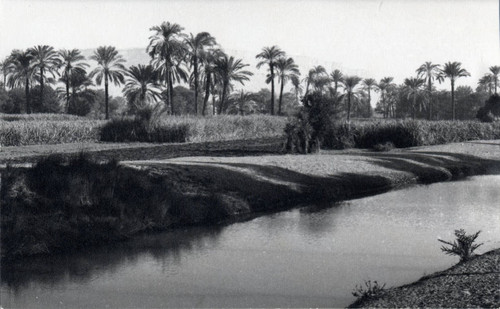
[(368, 291), (463, 246)]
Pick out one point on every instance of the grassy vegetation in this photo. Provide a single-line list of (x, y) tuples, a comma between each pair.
[(193, 129), (407, 133), (39, 132), (40, 117)]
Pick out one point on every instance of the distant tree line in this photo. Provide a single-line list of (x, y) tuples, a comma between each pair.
[(191, 74)]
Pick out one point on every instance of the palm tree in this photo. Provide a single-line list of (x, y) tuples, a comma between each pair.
[(5, 69), (46, 60), (385, 85), (141, 88), (167, 51), (453, 70), (208, 73), (495, 70), (241, 103), (230, 69), (270, 56), (413, 89), (22, 73), (286, 69), (429, 71), (79, 81), (196, 50), (316, 74), (71, 65), (350, 83), (369, 84), (110, 68), (297, 88), (487, 82), (336, 77)]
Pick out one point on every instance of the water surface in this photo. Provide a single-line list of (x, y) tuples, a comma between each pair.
[(308, 257)]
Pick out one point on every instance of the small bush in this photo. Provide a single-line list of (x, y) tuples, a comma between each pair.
[(368, 291), (387, 146), (463, 246)]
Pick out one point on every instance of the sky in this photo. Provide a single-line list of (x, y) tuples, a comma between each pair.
[(368, 38)]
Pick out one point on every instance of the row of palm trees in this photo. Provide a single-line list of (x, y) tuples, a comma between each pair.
[(200, 62)]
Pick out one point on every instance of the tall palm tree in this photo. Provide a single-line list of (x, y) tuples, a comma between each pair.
[(286, 69), (46, 60), (368, 85), (210, 77), (79, 81), (487, 82), (495, 70), (110, 68), (453, 70), (167, 51), (385, 85), (71, 64), (336, 77), (22, 73), (317, 73), (196, 50), (429, 71), (414, 89), (350, 83), (141, 87), (297, 88), (230, 69), (5, 69), (270, 56)]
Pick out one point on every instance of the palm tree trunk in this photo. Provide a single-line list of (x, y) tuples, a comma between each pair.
[(413, 107), (213, 104), (453, 99), (67, 95), (272, 88), (207, 93), (222, 108), (348, 107), (430, 99), (27, 95), (195, 85), (106, 95), (41, 87), (171, 93), (281, 95), (73, 98)]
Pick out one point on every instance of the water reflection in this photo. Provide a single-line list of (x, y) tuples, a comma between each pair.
[(84, 266), (308, 257)]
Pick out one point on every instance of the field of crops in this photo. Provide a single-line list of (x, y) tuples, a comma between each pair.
[(409, 133), (39, 129)]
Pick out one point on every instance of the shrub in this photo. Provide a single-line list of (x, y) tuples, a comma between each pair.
[(368, 291), (463, 246), (312, 126), (491, 110)]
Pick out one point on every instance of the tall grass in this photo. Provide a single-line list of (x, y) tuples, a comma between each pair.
[(39, 132), (193, 129), (408, 133)]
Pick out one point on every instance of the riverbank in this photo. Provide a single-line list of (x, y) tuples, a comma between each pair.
[(84, 203), (475, 283)]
